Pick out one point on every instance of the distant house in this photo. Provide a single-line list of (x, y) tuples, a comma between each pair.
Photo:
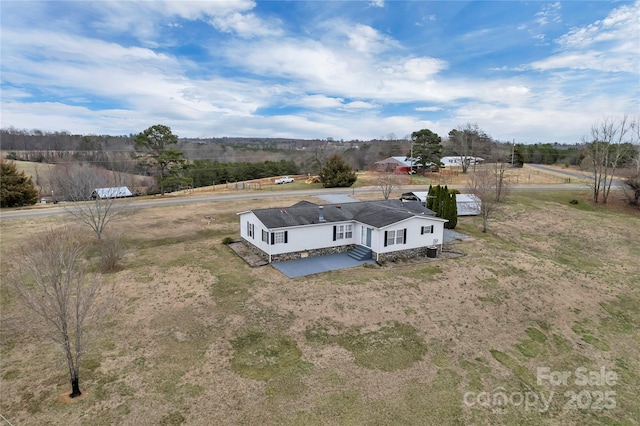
[(114, 192), (379, 230), (399, 164), (467, 204), (457, 161)]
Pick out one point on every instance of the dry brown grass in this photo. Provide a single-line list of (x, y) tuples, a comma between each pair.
[(186, 299)]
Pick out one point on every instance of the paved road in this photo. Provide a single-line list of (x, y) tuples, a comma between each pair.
[(616, 184), (177, 200), (543, 168), (55, 210)]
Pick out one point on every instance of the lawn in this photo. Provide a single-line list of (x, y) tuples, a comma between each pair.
[(201, 338)]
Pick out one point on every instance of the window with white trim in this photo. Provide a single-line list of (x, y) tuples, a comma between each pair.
[(265, 236), (391, 238), (348, 231), (426, 230), (341, 232), (279, 237), (395, 237), (250, 229)]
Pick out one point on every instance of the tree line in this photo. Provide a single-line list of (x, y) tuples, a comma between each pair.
[(208, 172)]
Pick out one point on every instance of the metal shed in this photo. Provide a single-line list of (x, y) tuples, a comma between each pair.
[(114, 192), (468, 204)]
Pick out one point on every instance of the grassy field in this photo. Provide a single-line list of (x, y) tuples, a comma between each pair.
[(202, 338)]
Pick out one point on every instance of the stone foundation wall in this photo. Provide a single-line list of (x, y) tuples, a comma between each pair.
[(299, 254), (311, 253), (402, 254), (255, 250)]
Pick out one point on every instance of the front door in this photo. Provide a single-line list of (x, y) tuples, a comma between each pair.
[(365, 236)]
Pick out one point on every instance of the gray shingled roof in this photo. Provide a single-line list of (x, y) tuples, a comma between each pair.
[(375, 213)]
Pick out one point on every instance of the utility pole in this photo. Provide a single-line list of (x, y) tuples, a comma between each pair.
[(513, 151)]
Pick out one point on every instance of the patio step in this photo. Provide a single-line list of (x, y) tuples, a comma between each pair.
[(360, 253)]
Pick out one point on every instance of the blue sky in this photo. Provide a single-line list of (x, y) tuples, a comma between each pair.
[(530, 71)]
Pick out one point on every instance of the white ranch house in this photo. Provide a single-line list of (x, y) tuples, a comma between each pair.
[(457, 160), (379, 230)]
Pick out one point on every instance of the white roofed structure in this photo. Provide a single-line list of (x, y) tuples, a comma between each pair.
[(114, 192)]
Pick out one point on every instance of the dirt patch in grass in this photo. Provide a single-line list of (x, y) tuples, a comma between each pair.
[(65, 398), (393, 346)]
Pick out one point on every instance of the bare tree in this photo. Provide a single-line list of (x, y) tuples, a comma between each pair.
[(467, 142), (77, 183), (463, 141), (320, 153), (50, 277), (500, 155), (631, 187), (482, 184), (387, 181), (610, 147)]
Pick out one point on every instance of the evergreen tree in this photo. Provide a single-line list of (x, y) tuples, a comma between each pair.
[(445, 208), (430, 198), (444, 197), (452, 212), (16, 189), (427, 148), (337, 173), (154, 148)]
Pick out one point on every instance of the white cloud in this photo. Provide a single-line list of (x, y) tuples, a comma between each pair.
[(549, 13), (425, 20), (608, 45), (366, 39), (142, 19), (193, 10), (428, 109), (621, 25), (319, 102), (589, 60), (360, 105), (349, 70), (376, 3), (245, 25)]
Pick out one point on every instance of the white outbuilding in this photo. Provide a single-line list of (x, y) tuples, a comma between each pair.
[(113, 192), (467, 204)]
